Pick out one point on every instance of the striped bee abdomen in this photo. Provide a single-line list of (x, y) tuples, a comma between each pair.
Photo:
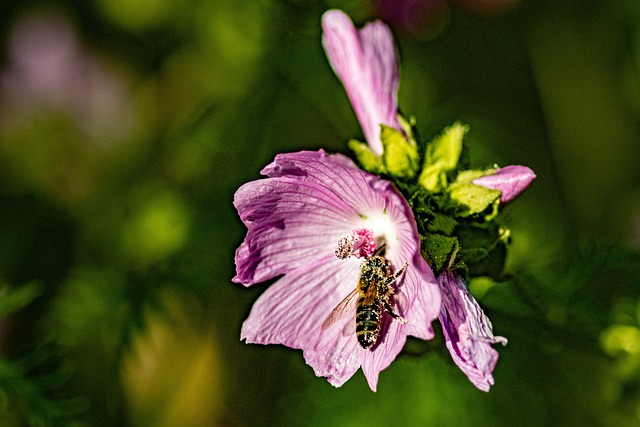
[(373, 292), (367, 323)]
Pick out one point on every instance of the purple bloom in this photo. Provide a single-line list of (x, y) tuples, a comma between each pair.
[(416, 17), (427, 18), (47, 67), (311, 208), (467, 331), (510, 180), (367, 64)]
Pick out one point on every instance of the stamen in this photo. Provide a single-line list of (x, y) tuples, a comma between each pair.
[(359, 243)]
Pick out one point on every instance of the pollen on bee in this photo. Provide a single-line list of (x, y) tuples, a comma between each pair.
[(360, 244)]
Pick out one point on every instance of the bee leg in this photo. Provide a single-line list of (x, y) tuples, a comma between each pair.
[(389, 280), (389, 290), (389, 309)]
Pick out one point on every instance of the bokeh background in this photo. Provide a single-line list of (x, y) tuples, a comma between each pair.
[(126, 127)]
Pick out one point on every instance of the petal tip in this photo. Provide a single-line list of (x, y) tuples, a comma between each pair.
[(510, 180), (333, 18)]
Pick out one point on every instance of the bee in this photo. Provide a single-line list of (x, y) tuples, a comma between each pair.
[(373, 291)]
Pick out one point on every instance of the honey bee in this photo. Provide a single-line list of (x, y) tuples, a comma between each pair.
[(373, 292)]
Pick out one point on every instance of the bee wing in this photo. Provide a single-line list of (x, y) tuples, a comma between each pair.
[(343, 309), (371, 292)]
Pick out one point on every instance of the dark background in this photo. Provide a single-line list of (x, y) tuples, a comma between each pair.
[(126, 127)]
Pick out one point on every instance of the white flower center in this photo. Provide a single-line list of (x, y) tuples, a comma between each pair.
[(384, 232), (377, 230)]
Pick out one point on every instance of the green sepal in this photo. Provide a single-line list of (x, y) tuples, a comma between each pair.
[(475, 199), (438, 250), (441, 223), (367, 159), (465, 177), (407, 126), (442, 155), (400, 154)]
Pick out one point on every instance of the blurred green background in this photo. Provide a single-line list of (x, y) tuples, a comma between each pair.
[(126, 127)]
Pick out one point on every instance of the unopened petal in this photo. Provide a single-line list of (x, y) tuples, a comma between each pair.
[(366, 63), (510, 180)]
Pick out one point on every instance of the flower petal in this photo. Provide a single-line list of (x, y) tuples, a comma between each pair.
[(336, 172), (467, 331), (295, 219), (392, 337), (366, 63), (510, 180), (309, 203), (291, 311), (421, 292), (337, 355)]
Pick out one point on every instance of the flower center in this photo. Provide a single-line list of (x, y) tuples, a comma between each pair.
[(360, 244)]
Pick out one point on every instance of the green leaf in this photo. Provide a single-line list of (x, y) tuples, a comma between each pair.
[(400, 155), (442, 156), (442, 224), (438, 250), (483, 248), (12, 300), (31, 387), (367, 159)]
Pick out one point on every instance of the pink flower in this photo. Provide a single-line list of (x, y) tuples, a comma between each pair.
[(310, 207), (428, 18), (510, 180), (367, 64), (47, 67), (467, 331)]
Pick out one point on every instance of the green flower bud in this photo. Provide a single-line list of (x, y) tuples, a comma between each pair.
[(442, 156), (474, 199), (367, 159), (400, 155)]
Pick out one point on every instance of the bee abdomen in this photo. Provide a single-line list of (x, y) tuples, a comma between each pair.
[(368, 324)]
